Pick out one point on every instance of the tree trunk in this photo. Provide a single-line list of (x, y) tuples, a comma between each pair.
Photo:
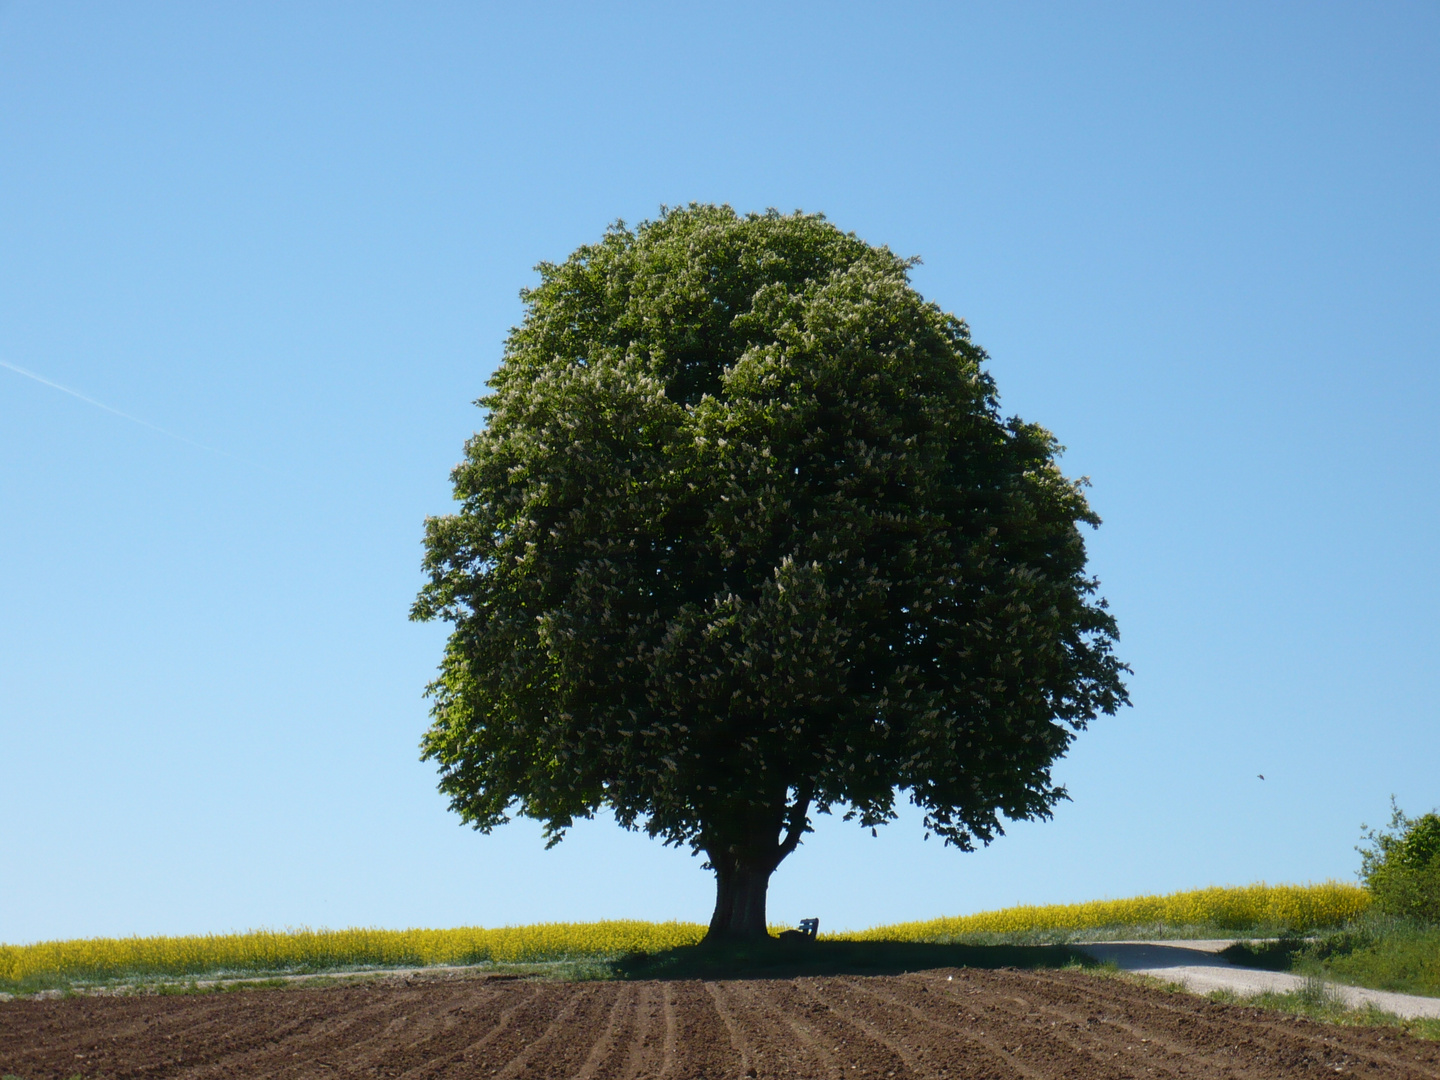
[(744, 855), (740, 889)]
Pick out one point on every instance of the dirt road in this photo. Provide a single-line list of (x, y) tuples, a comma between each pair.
[(958, 1024), (1199, 967)]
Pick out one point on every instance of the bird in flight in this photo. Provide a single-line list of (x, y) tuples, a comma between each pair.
[(1261, 775)]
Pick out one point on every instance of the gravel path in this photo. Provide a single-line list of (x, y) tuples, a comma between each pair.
[(1197, 966)]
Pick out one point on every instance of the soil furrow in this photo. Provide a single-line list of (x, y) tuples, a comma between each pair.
[(608, 1040), (669, 1054), (960, 1025), (701, 1048), (776, 1047), (1091, 1027), (856, 1051), (1047, 1042), (641, 1055), (489, 1019), (799, 1011), (570, 1018), (1283, 1041), (192, 1036), (1078, 1034), (895, 1016), (406, 1036), (738, 1041), (403, 1038)]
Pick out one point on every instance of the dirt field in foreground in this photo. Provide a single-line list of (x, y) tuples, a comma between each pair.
[(973, 1024)]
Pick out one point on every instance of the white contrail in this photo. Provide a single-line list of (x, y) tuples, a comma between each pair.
[(101, 405)]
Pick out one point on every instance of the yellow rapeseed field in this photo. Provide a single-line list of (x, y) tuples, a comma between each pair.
[(1292, 907), (1297, 908), (317, 950)]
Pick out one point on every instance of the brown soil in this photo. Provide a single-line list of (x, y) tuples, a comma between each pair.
[(960, 1024)]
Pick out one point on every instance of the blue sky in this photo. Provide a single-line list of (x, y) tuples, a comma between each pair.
[(1200, 243)]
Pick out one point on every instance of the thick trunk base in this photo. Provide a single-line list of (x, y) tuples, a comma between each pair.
[(740, 904), (744, 850)]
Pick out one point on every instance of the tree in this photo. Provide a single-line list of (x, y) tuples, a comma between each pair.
[(1400, 865), (745, 539)]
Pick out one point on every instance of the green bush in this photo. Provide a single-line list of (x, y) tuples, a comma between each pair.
[(1381, 952), (1400, 866)]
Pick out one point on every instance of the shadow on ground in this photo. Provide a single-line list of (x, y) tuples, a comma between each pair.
[(788, 960), (1278, 955)]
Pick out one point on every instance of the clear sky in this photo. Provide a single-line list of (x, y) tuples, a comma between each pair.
[(1199, 241)]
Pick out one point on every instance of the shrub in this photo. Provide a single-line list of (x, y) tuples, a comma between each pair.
[(1400, 866), (1382, 952)]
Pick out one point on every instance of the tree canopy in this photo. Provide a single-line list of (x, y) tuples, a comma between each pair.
[(745, 538), (1400, 865)]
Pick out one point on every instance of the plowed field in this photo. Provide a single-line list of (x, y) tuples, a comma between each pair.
[(953, 1024)]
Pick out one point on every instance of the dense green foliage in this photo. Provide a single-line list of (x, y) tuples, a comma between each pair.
[(1401, 866), (1376, 950), (745, 537), (1384, 954)]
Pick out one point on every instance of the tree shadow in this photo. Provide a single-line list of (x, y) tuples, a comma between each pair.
[(789, 960)]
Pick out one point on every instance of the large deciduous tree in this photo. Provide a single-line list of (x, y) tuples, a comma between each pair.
[(746, 538)]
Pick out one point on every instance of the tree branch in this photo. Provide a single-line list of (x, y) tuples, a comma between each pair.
[(797, 820)]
